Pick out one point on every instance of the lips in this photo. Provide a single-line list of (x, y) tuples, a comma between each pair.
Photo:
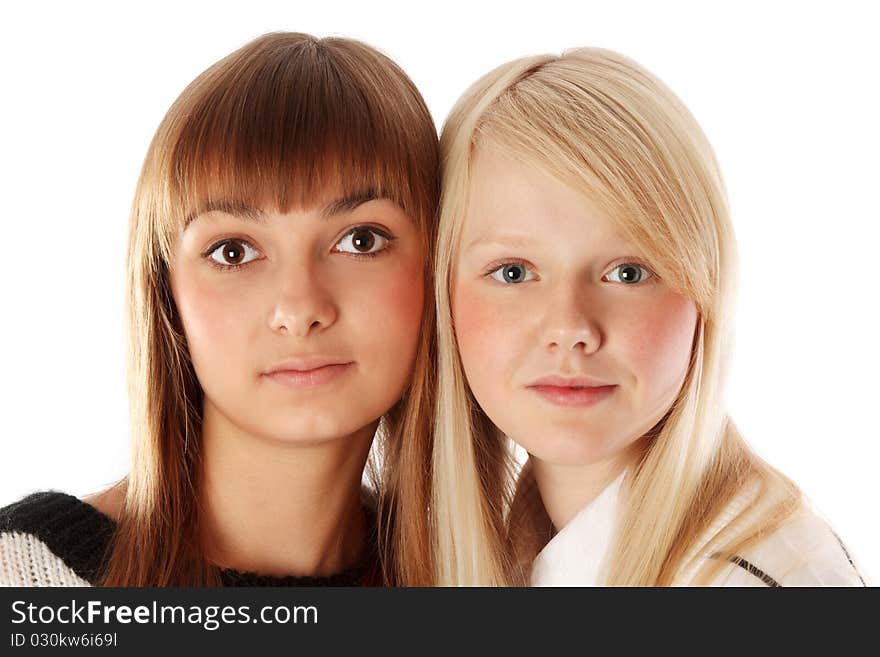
[(577, 392), (305, 363), (308, 371), (569, 382)]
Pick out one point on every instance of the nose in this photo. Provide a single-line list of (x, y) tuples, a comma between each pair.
[(301, 305), (570, 321)]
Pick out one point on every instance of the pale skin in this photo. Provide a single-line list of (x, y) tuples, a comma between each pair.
[(282, 465), (544, 285)]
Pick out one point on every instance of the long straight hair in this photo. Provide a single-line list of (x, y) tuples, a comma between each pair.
[(274, 124), (603, 125)]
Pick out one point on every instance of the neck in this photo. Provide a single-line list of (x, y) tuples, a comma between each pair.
[(277, 508), (566, 489)]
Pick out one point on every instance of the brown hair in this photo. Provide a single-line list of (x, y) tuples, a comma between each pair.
[(274, 124)]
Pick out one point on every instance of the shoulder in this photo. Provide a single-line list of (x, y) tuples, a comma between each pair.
[(803, 551), (51, 538), (109, 502)]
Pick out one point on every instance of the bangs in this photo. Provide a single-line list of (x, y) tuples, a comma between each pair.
[(622, 160), (288, 120)]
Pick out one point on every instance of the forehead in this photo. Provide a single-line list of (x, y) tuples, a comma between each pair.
[(517, 201)]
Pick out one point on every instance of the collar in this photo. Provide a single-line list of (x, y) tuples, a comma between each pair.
[(574, 556)]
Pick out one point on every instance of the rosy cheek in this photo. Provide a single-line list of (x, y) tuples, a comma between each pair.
[(407, 292), (211, 316), (382, 301), (395, 308), (481, 330), (661, 335)]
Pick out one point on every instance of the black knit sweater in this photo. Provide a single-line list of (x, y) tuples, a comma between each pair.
[(80, 536)]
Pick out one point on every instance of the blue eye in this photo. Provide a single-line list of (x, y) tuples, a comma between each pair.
[(363, 240), (630, 273), (513, 273), (232, 253)]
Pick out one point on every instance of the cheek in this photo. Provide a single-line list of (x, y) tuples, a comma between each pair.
[(385, 309), (216, 320), (398, 313), (486, 336), (214, 317), (660, 337)]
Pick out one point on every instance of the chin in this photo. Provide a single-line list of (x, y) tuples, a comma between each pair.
[(572, 449), (308, 431)]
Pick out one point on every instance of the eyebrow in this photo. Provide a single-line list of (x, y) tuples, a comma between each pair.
[(516, 241), (240, 210), (350, 203), (247, 213)]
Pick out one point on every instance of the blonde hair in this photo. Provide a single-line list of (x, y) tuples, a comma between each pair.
[(601, 124), (274, 124)]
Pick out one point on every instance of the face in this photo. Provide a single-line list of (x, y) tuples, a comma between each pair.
[(301, 326), (572, 346)]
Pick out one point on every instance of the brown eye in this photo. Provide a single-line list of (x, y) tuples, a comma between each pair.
[(233, 252), (363, 240)]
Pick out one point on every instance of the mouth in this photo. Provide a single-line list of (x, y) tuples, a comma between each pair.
[(574, 396), (308, 378)]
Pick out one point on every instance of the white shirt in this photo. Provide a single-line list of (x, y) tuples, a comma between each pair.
[(802, 552)]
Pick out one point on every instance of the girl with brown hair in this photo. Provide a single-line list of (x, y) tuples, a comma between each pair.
[(278, 271)]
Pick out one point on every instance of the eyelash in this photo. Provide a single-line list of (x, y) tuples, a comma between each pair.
[(390, 239), (496, 266), (652, 275), (233, 267), (227, 267)]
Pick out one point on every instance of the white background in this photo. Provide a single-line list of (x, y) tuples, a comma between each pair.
[(785, 91)]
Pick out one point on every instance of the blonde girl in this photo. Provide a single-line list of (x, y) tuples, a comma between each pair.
[(585, 277), (277, 320)]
